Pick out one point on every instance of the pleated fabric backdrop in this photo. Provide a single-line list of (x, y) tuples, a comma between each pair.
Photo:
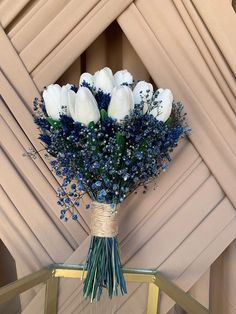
[(185, 227)]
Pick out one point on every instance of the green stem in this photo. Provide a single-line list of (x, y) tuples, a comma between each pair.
[(103, 269)]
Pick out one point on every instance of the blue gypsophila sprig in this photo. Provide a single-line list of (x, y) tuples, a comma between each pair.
[(110, 160)]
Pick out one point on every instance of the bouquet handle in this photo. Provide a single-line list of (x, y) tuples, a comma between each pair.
[(103, 263)]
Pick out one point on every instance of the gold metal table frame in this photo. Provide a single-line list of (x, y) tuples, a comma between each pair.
[(50, 276)]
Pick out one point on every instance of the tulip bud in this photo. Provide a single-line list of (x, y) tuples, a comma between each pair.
[(67, 96), (104, 80), (123, 77), (87, 78), (163, 111), (121, 104), (143, 91), (85, 109), (57, 100)]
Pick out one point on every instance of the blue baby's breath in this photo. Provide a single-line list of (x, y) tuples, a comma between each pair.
[(109, 160)]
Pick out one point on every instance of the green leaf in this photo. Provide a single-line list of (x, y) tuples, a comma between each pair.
[(168, 121), (91, 125), (142, 145), (120, 140), (103, 114), (55, 124)]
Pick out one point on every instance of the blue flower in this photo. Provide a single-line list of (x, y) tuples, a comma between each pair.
[(67, 200), (43, 124), (102, 99), (91, 160), (45, 138), (73, 186), (74, 217), (74, 88), (81, 186)]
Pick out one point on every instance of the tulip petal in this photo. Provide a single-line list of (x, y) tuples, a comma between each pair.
[(87, 78), (52, 106), (64, 100), (104, 80), (86, 108), (54, 91), (71, 101), (123, 77), (121, 103), (143, 91), (163, 111)]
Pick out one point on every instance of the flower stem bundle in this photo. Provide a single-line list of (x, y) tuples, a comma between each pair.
[(103, 269)]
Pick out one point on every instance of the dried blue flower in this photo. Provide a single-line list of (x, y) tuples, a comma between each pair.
[(74, 217), (109, 160)]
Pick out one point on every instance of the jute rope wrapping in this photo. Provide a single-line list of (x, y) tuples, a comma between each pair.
[(104, 220)]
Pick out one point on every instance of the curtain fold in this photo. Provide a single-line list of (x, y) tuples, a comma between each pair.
[(210, 52)]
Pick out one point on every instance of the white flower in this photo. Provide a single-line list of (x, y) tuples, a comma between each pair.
[(85, 109), (143, 91), (122, 77), (122, 103), (163, 111), (57, 100), (104, 80), (160, 90), (87, 78)]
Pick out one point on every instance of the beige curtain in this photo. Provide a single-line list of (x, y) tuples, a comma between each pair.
[(187, 226)]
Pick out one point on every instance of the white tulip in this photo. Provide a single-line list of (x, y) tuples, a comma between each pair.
[(85, 109), (87, 78), (123, 77), (143, 91), (121, 104), (67, 97), (163, 111), (160, 90), (57, 100), (104, 80)]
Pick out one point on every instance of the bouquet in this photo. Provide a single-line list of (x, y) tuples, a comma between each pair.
[(107, 137)]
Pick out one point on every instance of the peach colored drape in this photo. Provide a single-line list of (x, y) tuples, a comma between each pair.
[(185, 227)]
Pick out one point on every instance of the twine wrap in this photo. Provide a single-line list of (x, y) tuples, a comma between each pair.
[(104, 220)]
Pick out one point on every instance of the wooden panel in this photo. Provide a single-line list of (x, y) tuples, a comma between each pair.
[(9, 10), (13, 68), (226, 42), (35, 52), (34, 22), (203, 43), (13, 226), (164, 213), (29, 209), (197, 207), (84, 33), (205, 259), (191, 61)]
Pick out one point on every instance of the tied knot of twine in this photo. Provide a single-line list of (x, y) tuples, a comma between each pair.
[(104, 220)]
